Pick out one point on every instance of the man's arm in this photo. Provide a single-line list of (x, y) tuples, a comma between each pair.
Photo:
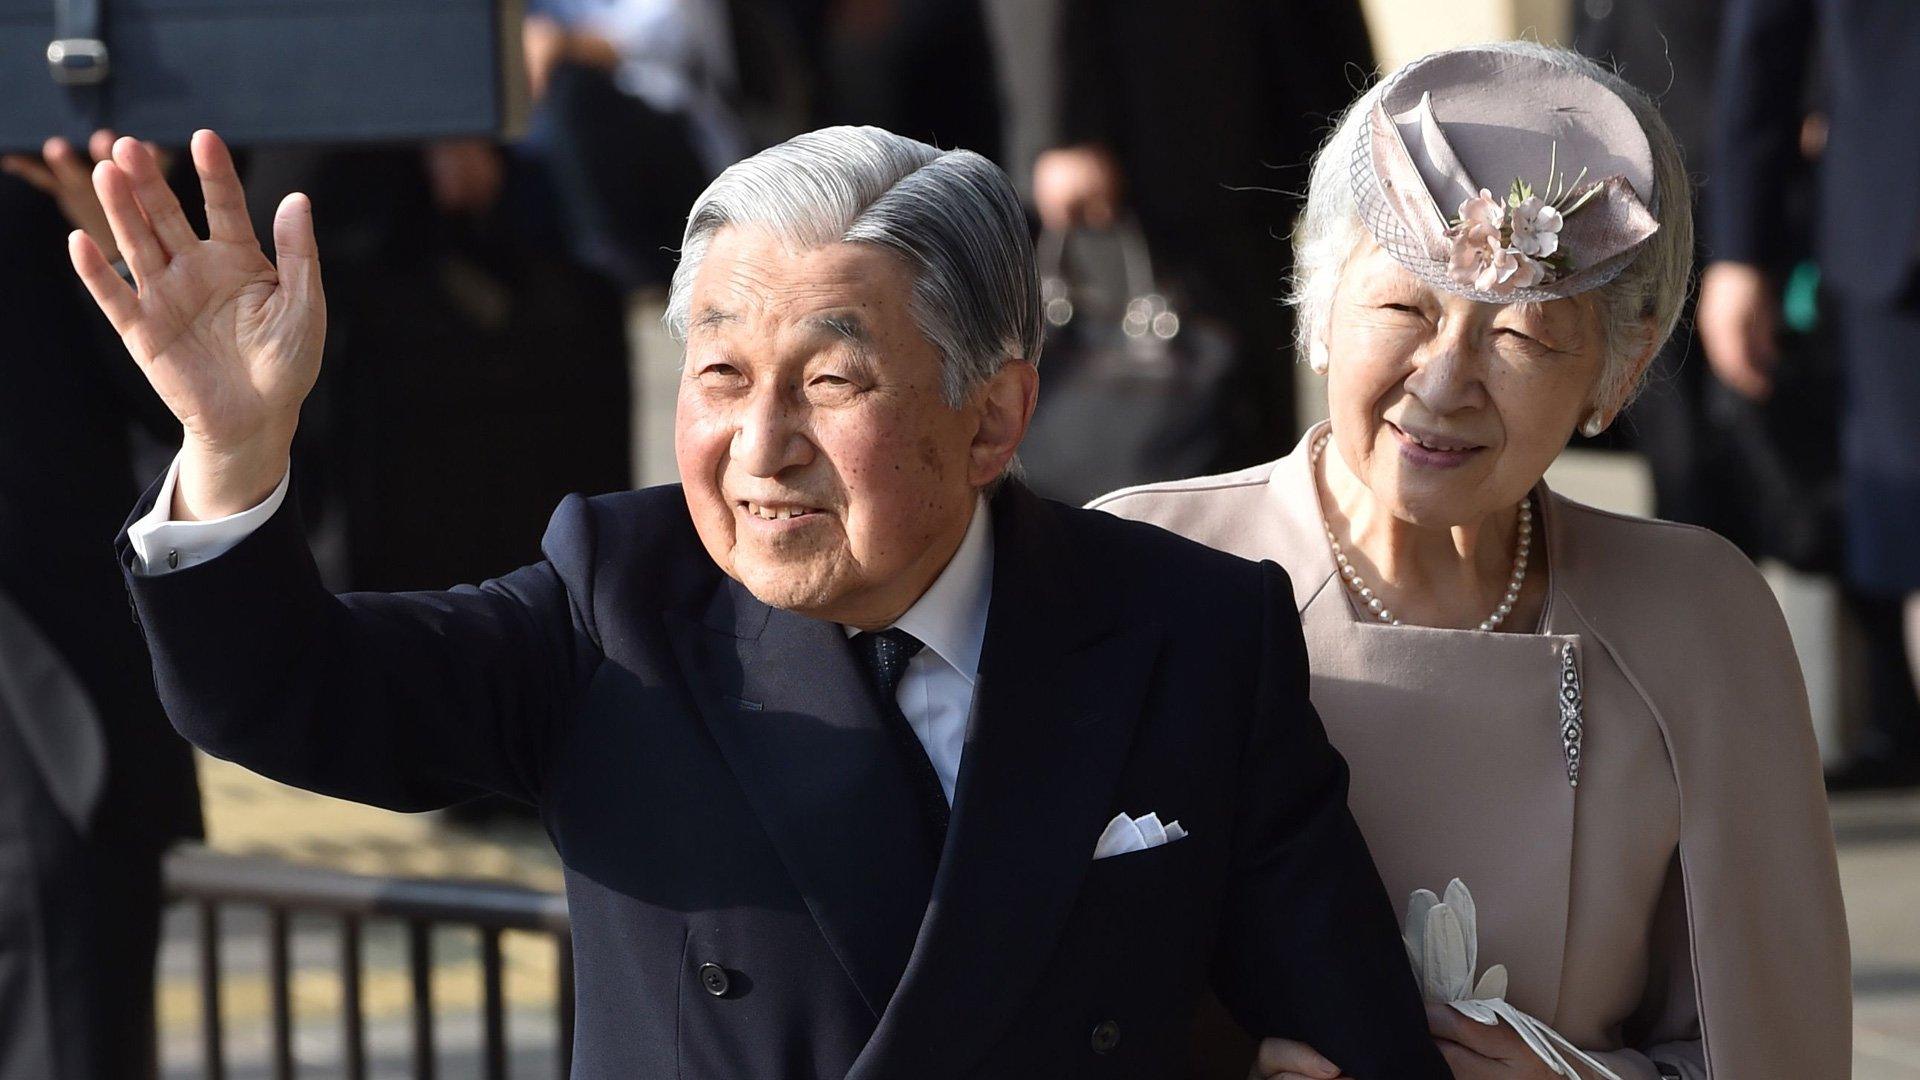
[(408, 701), (1310, 949)]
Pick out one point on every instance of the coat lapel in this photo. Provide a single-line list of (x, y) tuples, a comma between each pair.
[(791, 712), (1060, 690)]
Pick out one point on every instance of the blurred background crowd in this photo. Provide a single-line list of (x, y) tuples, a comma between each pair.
[(494, 340)]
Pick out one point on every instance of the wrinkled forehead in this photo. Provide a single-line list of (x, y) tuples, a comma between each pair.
[(752, 272)]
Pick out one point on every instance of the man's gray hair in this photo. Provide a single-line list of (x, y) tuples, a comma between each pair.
[(951, 215), (1653, 286)]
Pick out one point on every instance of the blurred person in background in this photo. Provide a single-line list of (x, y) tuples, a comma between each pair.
[(1764, 474), (1867, 241), (634, 115), (922, 68), (476, 353), (1197, 119), (94, 785)]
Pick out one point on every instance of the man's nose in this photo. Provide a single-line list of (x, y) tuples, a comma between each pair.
[(771, 435)]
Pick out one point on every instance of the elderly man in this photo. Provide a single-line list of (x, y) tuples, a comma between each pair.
[(863, 761)]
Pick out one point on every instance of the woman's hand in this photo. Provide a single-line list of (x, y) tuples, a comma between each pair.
[(230, 341), (1476, 1051), (65, 176), (1284, 1059)]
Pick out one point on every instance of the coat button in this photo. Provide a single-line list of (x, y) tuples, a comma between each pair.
[(714, 978), (1106, 1036)]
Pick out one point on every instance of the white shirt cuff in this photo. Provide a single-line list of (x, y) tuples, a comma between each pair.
[(162, 545)]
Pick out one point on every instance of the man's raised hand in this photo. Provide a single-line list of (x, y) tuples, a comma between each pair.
[(230, 341)]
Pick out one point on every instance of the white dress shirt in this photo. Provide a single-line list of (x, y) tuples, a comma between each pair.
[(161, 544), (950, 619), (936, 691)]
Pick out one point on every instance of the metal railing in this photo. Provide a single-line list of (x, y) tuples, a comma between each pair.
[(211, 882)]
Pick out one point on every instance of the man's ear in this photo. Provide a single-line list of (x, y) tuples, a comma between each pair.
[(1005, 407)]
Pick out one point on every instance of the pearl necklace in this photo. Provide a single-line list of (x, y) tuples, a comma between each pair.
[(1379, 607)]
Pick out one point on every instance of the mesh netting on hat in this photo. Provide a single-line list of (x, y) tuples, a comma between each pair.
[(1407, 248)]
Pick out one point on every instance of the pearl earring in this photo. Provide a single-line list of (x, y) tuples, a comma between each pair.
[(1317, 358), (1594, 425)]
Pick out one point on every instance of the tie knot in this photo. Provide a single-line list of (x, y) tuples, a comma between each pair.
[(886, 653)]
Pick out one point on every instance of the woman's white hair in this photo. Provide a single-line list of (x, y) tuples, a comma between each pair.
[(951, 215), (1653, 287)]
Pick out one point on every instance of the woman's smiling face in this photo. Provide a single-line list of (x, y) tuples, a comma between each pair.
[(1449, 409)]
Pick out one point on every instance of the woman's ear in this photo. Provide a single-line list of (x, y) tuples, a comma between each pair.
[(1318, 357), (1613, 399), (1647, 345)]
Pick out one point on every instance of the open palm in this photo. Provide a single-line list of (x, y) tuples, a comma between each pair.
[(229, 341)]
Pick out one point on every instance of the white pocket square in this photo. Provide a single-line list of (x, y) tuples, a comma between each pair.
[(1124, 834)]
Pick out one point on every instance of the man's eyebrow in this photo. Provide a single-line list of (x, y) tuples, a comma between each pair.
[(711, 317), (846, 326)]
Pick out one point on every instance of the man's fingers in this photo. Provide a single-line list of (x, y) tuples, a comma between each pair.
[(100, 144), (170, 224), (227, 219), (131, 233), (118, 301), (294, 247)]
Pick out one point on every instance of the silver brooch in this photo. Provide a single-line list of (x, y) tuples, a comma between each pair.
[(1570, 720)]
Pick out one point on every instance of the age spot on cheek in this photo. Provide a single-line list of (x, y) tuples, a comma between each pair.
[(929, 454)]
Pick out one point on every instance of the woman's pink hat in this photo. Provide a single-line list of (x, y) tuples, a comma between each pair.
[(1504, 177)]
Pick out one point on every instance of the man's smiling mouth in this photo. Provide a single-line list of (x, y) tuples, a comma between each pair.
[(777, 511)]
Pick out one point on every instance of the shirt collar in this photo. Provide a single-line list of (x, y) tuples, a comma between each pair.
[(950, 618)]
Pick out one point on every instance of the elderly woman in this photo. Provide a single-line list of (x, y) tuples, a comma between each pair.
[(1595, 722)]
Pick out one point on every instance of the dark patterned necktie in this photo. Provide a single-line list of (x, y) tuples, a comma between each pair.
[(886, 654)]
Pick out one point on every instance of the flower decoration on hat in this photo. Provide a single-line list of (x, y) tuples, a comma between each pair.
[(1499, 245), (1443, 125)]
